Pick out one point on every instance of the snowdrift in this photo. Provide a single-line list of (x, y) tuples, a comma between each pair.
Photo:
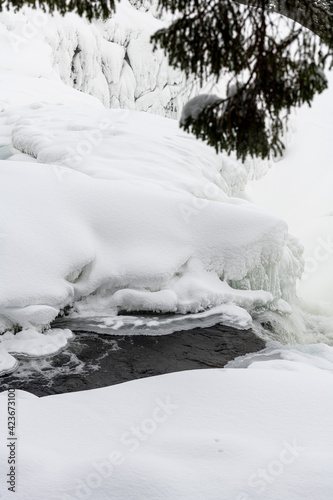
[(109, 211), (262, 432)]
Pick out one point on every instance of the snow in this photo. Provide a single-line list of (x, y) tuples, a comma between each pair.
[(91, 184), (286, 357), (124, 212), (30, 343), (196, 105), (298, 189), (206, 434), (111, 60), (113, 212)]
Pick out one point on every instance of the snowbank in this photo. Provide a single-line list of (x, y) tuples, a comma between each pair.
[(233, 433), (121, 211)]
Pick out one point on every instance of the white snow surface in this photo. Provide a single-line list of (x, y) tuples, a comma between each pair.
[(31, 344), (112, 211), (116, 210), (111, 60), (203, 435)]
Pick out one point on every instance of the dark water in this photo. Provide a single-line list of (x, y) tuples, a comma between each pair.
[(93, 360)]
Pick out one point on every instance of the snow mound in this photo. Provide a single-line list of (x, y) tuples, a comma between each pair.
[(202, 434), (30, 343), (301, 358), (121, 211)]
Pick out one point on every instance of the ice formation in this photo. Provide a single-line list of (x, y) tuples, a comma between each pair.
[(112, 60)]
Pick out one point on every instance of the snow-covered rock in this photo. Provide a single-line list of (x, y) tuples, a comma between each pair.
[(121, 211), (196, 105)]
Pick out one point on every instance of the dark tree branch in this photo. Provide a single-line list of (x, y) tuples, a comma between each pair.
[(281, 62)]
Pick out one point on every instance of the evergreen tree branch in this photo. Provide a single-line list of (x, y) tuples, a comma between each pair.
[(281, 62)]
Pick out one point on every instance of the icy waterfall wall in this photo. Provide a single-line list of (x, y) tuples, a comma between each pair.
[(112, 60)]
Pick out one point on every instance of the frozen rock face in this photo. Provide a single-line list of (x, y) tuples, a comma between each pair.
[(112, 60)]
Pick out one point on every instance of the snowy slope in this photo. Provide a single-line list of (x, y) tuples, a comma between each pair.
[(258, 433)]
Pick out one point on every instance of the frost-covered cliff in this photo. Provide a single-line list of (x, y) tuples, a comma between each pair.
[(111, 60)]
